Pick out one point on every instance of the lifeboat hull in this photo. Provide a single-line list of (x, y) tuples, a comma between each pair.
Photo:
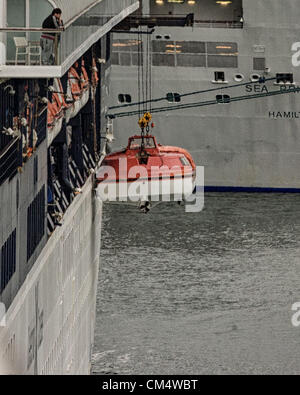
[(54, 130), (163, 190)]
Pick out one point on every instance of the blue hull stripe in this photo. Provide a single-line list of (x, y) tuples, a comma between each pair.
[(249, 189)]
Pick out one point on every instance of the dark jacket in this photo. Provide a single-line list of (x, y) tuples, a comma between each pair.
[(49, 23)]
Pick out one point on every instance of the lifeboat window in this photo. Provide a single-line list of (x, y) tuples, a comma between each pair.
[(149, 143), (173, 97), (184, 161), (136, 143)]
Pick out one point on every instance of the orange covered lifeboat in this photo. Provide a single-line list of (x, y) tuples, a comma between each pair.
[(56, 110), (146, 171), (78, 90)]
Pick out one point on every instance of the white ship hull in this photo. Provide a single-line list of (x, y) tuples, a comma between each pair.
[(57, 300)]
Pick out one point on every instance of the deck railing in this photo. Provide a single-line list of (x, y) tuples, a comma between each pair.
[(181, 20), (219, 24), (10, 158), (66, 40)]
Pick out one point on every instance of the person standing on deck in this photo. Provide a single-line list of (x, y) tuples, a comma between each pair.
[(53, 21)]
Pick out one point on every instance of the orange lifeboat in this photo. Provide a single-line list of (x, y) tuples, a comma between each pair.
[(146, 171), (56, 109), (78, 90)]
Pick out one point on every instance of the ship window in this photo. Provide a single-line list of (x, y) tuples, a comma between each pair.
[(124, 45), (219, 76), (259, 63), (115, 58), (124, 98), (162, 46), (35, 222), (255, 77), (8, 260), (184, 161), (163, 60), (223, 99), (222, 48), (191, 60), (191, 47), (194, 54), (284, 78), (173, 97), (222, 61), (239, 77), (125, 59)]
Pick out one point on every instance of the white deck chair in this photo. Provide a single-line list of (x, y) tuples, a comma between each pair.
[(27, 50)]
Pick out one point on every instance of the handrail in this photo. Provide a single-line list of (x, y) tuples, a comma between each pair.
[(8, 147), (30, 29), (9, 159)]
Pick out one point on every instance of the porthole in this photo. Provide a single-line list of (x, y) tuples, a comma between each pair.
[(255, 77), (239, 77)]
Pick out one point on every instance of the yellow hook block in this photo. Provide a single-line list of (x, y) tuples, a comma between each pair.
[(148, 116), (143, 123)]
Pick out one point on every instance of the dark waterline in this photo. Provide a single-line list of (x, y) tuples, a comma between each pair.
[(200, 293)]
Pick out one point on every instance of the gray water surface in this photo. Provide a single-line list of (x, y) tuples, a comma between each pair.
[(206, 293)]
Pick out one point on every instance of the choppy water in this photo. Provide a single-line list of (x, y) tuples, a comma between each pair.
[(207, 293)]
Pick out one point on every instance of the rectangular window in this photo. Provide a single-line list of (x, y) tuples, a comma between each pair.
[(222, 61), (163, 60), (125, 59), (191, 60), (222, 48), (123, 45), (219, 76), (195, 47), (195, 54), (8, 260), (35, 222), (115, 58), (259, 63), (284, 78)]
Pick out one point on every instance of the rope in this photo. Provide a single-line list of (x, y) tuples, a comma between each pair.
[(147, 75), (139, 73), (206, 103), (192, 93)]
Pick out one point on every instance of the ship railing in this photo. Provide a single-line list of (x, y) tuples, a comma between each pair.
[(152, 20), (77, 35), (29, 51), (10, 158), (219, 24)]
